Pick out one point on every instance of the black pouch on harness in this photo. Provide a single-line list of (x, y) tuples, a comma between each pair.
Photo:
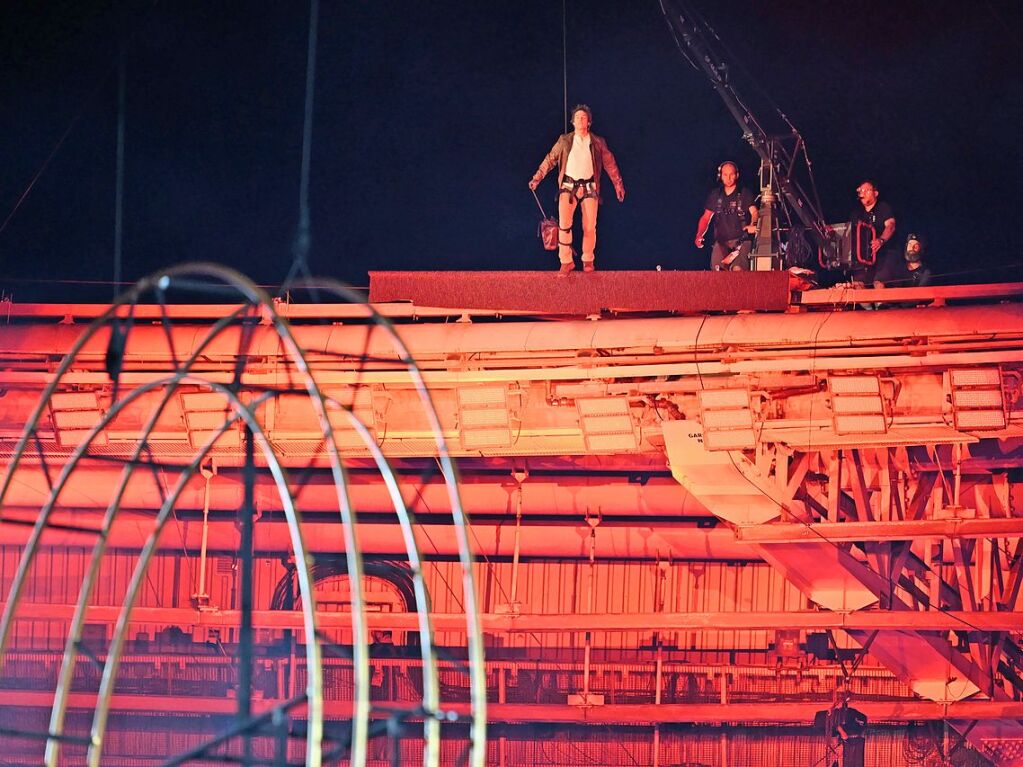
[(547, 230)]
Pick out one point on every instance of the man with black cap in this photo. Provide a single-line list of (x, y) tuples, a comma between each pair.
[(909, 271)]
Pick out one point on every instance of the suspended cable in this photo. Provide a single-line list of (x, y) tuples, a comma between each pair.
[(303, 235), (564, 57), (119, 192), (62, 139), (42, 169)]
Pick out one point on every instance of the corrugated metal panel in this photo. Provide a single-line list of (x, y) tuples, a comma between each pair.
[(524, 681), (552, 587), (735, 747), (149, 737)]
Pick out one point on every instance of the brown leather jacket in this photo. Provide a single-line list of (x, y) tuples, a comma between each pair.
[(602, 160)]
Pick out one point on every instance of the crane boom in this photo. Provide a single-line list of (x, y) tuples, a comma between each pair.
[(779, 155)]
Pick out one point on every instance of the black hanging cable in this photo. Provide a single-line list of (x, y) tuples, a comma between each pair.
[(303, 236), (564, 57), (60, 142), (119, 195), (42, 169), (119, 190)]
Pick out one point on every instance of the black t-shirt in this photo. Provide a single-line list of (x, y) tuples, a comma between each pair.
[(731, 212), (895, 273), (876, 216)]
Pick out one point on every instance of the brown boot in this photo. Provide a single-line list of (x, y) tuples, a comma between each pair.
[(588, 266), (567, 266)]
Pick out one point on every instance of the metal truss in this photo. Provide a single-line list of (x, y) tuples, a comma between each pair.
[(917, 556), (237, 416), (907, 513)]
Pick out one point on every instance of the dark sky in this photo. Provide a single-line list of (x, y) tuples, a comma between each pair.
[(431, 117)]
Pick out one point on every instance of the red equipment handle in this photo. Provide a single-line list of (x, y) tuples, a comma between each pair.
[(857, 243)]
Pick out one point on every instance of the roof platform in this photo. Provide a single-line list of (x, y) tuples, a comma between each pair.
[(587, 293), (651, 292), (414, 296)]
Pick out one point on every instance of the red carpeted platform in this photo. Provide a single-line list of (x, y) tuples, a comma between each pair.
[(585, 293)]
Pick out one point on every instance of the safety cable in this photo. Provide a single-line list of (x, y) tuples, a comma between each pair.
[(119, 171), (67, 132), (564, 57), (303, 234), (46, 162)]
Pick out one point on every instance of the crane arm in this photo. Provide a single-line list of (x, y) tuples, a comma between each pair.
[(691, 35)]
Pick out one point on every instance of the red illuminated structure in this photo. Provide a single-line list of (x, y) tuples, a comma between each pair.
[(694, 533)]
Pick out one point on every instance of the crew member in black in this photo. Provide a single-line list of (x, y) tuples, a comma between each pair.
[(735, 216), (877, 214), (908, 271)]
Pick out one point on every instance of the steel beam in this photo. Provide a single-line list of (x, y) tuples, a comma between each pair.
[(843, 532), (797, 712), (405, 310), (851, 296), (862, 620)]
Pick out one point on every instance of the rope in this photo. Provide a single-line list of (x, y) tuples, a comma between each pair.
[(542, 211)]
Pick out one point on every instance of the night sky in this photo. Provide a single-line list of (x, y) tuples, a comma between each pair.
[(431, 117)]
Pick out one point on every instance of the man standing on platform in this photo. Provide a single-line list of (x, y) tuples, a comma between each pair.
[(877, 214), (735, 216), (580, 157)]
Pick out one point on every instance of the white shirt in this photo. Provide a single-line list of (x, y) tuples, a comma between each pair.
[(580, 161)]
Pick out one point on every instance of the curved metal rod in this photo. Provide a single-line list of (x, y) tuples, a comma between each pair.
[(160, 282), (66, 674), (431, 683), (28, 554), (353, 554), (127, 297), (313, 656), (474, 634), (163, 280)]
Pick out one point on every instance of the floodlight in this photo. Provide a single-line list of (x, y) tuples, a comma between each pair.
[(606, 423), (978, 398), (727, 419), (484, 419), (857, 406)]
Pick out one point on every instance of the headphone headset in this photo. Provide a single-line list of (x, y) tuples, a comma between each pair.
[(727, 162)]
